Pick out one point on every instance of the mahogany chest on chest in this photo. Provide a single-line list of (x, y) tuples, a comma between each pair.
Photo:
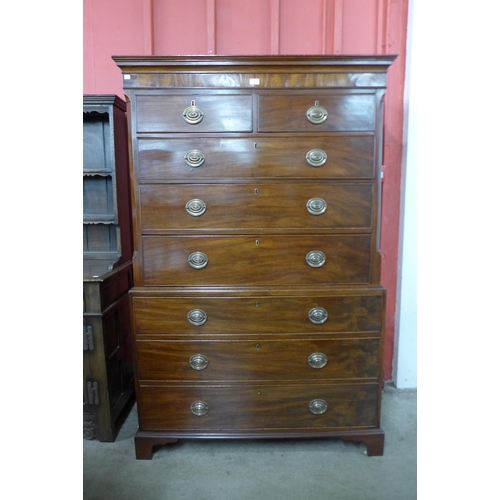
[(257, 309)]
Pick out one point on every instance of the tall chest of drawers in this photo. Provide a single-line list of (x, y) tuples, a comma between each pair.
[(257, 309)]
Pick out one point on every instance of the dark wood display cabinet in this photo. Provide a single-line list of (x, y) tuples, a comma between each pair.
[(257, 309), (108, 387)]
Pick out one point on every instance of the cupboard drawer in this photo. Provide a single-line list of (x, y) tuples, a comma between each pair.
[(253, 206), (252, 407), (221, 113), (256, 314), (247, 360), (344, 112), (261, 259), (231, 158)]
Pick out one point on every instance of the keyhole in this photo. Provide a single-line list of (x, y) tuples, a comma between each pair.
[(258, 392), (257, 347), (257, 304), (257, 242), (256, 191)]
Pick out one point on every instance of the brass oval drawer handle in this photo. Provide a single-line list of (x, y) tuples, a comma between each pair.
[(318, 406), (198, 362), (192, 114), (196, 207), (198, 260), (317, 114), (316, 157), (194, 158), (197, 317), (315, 258), (318, 315), (316, 206), (317, 360), (199, 408)]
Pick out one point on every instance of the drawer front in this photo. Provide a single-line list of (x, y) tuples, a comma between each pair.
[(253, 407), (265, 260), (264, 315), (273, 206), (230, 158), (250, 360), (168, 113), (344, 112), (116, 287)]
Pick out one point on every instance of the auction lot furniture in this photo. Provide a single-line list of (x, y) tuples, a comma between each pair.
[(108, 377), (257, 309)]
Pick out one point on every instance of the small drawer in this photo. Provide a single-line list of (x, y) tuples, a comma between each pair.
[(310, 113), (231, 158), (253, 407), (250, 360), (193, 113), (286, 206), (260, 259)]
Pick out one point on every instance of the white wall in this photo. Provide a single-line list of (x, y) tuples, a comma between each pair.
[(405, 348)]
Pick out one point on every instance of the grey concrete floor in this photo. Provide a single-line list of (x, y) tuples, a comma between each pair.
[(260, 470)]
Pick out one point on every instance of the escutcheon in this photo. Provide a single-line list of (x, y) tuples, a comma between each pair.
[(198, 260), (193, 114), (197, 317), (199, 408), (315, 258), (318, 406), (194, 158), (198, 362), (318, 315), (317, 114), (316, 157), (196, 207), (318, 360), (316, 206)]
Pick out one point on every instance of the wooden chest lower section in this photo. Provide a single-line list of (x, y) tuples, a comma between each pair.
[(257, 365), (258, 407)]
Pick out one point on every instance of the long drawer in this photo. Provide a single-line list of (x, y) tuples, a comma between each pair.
[(230, 158), (341, 112), (194, 113), (250, 360), (156, 315), (265, 260), (253, 407), (253, 206)]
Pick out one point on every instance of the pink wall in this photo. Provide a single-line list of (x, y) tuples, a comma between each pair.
[(167, 27)]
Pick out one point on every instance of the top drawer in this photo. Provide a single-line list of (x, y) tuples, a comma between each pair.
[(323, 113), (194, 113)]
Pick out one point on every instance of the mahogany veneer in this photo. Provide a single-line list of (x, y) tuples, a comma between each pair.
[(257, 309)]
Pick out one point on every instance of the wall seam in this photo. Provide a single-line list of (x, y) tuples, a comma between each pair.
[(338, 20), (275, 27), (211, 28)]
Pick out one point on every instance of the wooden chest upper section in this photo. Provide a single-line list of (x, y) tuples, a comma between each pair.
[(255, 163)]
